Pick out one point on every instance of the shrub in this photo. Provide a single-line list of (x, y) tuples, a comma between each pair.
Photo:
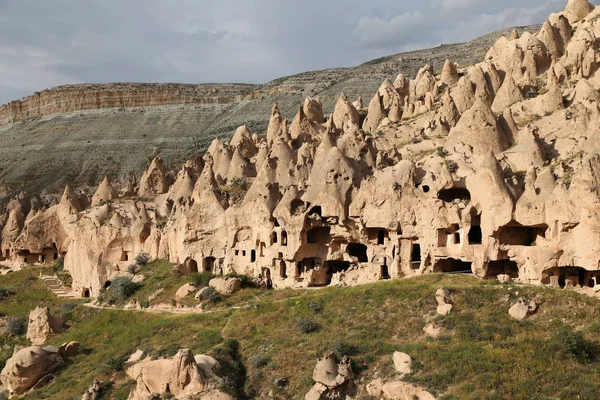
[(239, 184), (132, 269), (259, 361), (60, 264), (307, 325), (442, 152), (201, 279), (247, 281), (144, 304), (66, 309), (4, 292), (16, 326), (315, 307), (142, 259), (116, 363), (452, 166), (342, 348), (211, 294), (566, 343), (122, 287)]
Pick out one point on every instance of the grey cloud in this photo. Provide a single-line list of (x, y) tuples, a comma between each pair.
[(52, 42)]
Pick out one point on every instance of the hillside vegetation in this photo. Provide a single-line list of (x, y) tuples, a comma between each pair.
[(259, 336)]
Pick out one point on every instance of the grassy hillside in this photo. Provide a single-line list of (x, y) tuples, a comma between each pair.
[(260, 336)]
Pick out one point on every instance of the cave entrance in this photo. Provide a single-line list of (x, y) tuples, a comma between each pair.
[(86, 293), (306, 265), (282, 269), (452, 194), (385, 272), (124, 256), (499, 267), (453, 266), (568, 277), (319, 235), (415, 256), (190, 266), (475, 235), (333, 267), (516, 234), (359, 251), (107, 284), (209, 264)]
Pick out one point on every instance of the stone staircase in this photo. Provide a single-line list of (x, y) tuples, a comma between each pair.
[(56, 287)]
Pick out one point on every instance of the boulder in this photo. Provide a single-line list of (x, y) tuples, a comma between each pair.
[(404, 391), (442, 296), (93, 392), (199, 293), (226, 286), (503, 278), (576, 10), (375, 388), (444, 309), (42, 325), (432, 330), (523, 309), (70, 349), (179, 376), (332, 380), (28, 366), (185, 291), (402, 362)]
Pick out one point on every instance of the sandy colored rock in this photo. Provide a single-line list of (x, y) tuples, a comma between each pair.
[(27, 366), (70, 349), (576, 10), (93, 392), (42, 325), (226, 286), (185, 291), (402, 362), (522, 309), (433, 330), (397, 390), (444, 309)]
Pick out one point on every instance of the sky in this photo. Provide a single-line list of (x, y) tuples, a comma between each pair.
[(45, 43)]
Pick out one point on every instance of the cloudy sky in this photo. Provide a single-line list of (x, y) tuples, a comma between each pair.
[(44, 43)]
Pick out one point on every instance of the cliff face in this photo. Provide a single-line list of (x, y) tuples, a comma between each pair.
[(72, 98), (78, 133)]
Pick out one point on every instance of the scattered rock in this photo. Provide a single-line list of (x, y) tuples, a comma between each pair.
[(281, 382), (444, 309), (523, 309), (93, 392), (402, 362), (185, 291), (28, 366), (70, 349), (503, 278), (198, 295), (226, 286), (442, 296), (42, 325), (404, 391), (433, 330), (332, 380)]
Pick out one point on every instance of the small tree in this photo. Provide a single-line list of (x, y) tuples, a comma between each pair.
[(132, 269), (122, 287), (142, 259), (16, 326)]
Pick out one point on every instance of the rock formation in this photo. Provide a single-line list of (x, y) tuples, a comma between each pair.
[(493, 173), (42, 326), (28, 366)]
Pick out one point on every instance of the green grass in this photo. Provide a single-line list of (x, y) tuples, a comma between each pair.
[(482, 354)]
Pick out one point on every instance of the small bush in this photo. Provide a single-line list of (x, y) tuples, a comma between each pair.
[(342, 348), (116, 363), (132, 269), (442, 152), (67, 309), (239, 184), (315, 307), (452, 166), (144, 304), (122, 287), (142, 259), (60, 264), (259, 361), (4, 293), (211, 294), (16, 326), (201, 279), (247, 281), (566, 343), (307, 325)]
